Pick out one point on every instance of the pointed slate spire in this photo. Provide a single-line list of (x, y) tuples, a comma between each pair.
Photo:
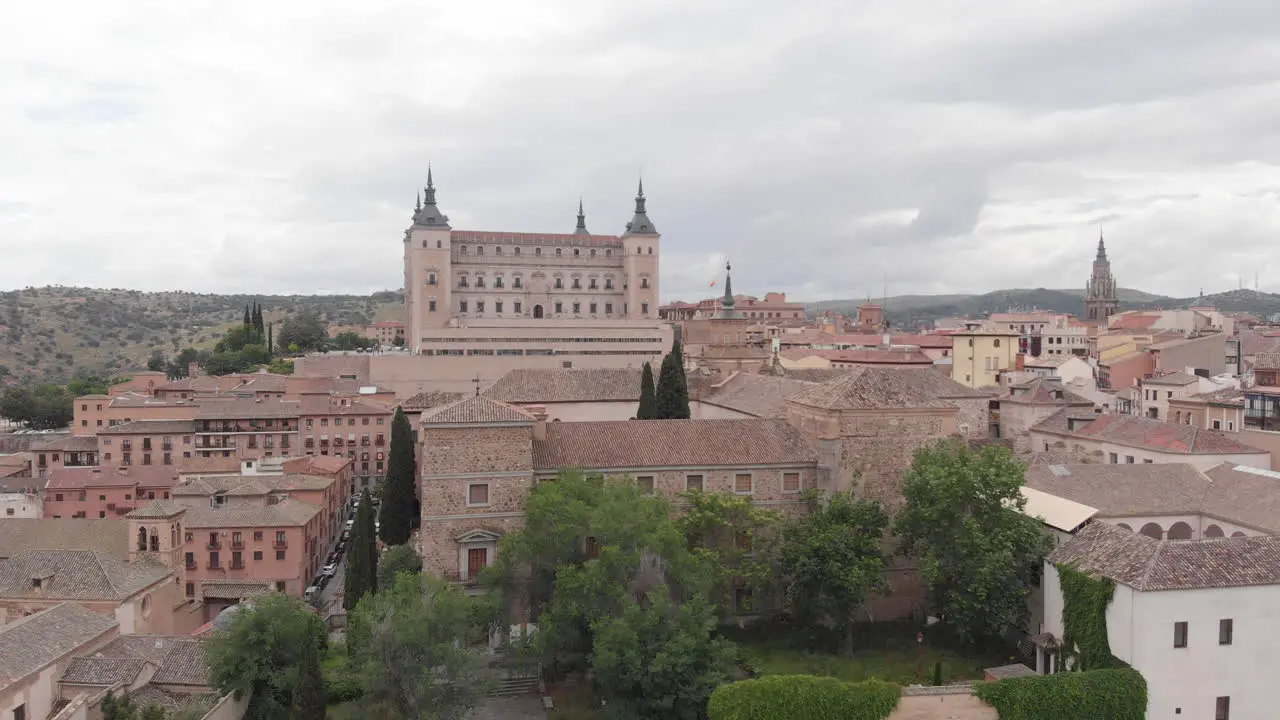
[(582, 221), (1102, 247), (429, 215), (727, 310), (640, 223)]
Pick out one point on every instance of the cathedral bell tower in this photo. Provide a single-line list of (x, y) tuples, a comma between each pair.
[(1100, 301)]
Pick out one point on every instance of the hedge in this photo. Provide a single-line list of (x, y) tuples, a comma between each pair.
[(803, 697), (1091, 695), (342, 688)]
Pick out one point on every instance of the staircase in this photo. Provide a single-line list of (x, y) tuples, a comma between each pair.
[(516, 681)]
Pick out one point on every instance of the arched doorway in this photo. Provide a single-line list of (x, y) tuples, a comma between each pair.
[(1179, 531), (537, 311), (1152, 530)]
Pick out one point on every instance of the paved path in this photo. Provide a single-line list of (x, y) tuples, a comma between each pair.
[(943, 707), (524, 707)]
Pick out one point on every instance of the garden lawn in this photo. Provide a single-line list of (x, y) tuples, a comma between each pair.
[(895, 663)]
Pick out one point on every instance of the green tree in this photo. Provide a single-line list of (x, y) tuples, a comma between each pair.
[(412, 648), (308, 687), (259, 654), (648, 399), (90, 385), (280, 367), (156, 362), (306, 331), (396, 560), (399, 487), (740, 539), (362, 556), (255, 354), (398, 342), (248, 318), (672, 391), (18, 405), (181, 365), (979, 555), (660, 659), (351, 341), (833, 561), (271, 344), (236, 338)]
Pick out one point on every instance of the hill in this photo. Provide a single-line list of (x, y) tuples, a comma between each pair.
[(910, 311), (55, 333)]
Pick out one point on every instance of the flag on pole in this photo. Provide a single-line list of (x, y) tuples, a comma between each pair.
[(713, 283)]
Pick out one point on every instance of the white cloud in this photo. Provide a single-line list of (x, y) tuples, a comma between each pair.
[(822, 146)]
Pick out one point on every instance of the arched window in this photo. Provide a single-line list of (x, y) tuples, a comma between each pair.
[(1153, 530), (1179, 531), (142, 539), (537, 251), (1213, 531), (155, 540)]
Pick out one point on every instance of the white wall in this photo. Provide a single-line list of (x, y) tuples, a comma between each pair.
[(1191, 678), (1261, 458), (19, 505)]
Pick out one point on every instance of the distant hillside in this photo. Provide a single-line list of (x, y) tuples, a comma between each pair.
[(922, 310), (54, 333)]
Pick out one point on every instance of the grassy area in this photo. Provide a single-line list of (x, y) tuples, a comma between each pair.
[(886, 650)]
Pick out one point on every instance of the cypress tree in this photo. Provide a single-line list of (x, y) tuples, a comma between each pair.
[(308, 688), (398, 487), (648, 395), (271, 349), (362, 556), (672, 393), (262, 330), (247, 318)]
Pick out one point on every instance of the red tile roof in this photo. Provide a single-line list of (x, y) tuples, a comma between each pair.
[(477, 409), (671, 443), (317, 464), (1140, 432), (1133, 322), (76, 478)]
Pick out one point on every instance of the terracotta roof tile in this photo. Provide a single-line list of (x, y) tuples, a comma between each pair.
[(317, 464), (868, 387), (76, 478), (237, 590), (528, 385), (864, 356), (151, 427), (36, 641), (157, 510), (76, 575), (1043, 391), (477, 409), (179, 660), (102, 671), (107, 536), (211, 464), (1145, 433), (758, 395), (1229, 397), (71, 443), (1173, 378), (206, 485), (671, 443), (1145, 564), (287, 513), (431, 399)]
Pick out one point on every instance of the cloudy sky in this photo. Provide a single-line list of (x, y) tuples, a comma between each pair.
[(822, 145)]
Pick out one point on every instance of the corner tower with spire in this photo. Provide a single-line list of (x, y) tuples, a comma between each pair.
[(640, 247), (727, 310), (428, 267), (1101, 300)]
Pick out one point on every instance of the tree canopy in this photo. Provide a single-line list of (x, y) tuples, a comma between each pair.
[(672, 392), (411, 644), (833, 561), (47, 407), (979, 555), (351, 341), (261, 651), (362, 556), (396, 560), (647, 409), (305, 332)]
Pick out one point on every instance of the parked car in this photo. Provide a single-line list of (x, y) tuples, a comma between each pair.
[(329, 570)]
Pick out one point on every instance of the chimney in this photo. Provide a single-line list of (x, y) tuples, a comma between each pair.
[(539, 413), (1020, 362)]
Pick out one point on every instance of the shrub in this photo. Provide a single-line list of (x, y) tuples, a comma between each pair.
[(803, 697), (342, 687), (1113, 694)]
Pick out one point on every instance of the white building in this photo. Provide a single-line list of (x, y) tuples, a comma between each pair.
[(20, 505), (1125, 439), (1200, 620)]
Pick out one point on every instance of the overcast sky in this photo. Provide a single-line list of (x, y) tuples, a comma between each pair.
[(823, 145)]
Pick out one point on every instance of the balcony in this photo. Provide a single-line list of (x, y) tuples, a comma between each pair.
[(192, 565), (126, 446), (236, 566), (167, 447), (279, 544), (237, 544), (213, 565), (379, 442), (456, 577), (213, 545)]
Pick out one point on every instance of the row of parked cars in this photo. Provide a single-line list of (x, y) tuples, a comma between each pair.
[(331, 563)]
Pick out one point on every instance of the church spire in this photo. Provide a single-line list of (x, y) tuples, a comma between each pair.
[(582, 221), (728, 301), (1102, 246), (428, 214), (640, 224)]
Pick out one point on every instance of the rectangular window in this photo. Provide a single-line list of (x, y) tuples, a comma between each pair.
[(692, 482), (515, 306), (644, 308), (191, 589), (477, 494), (791, 482), (592, 308), (608, 308), (257, 554), (1223, 709), (1180, 634), (280, 554), (1225, 630), (479, 306), (462, 306), (577, 308), (743, 484), (1114, 458), (257, 536), (559, 308), (431, 306), (645, 483), (1128, 459)]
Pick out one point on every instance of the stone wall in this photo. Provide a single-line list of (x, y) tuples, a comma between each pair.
[(476, 449), (1017, 419), (975, 417)]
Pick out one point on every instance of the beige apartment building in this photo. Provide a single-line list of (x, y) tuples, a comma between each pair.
[(981, 353)]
